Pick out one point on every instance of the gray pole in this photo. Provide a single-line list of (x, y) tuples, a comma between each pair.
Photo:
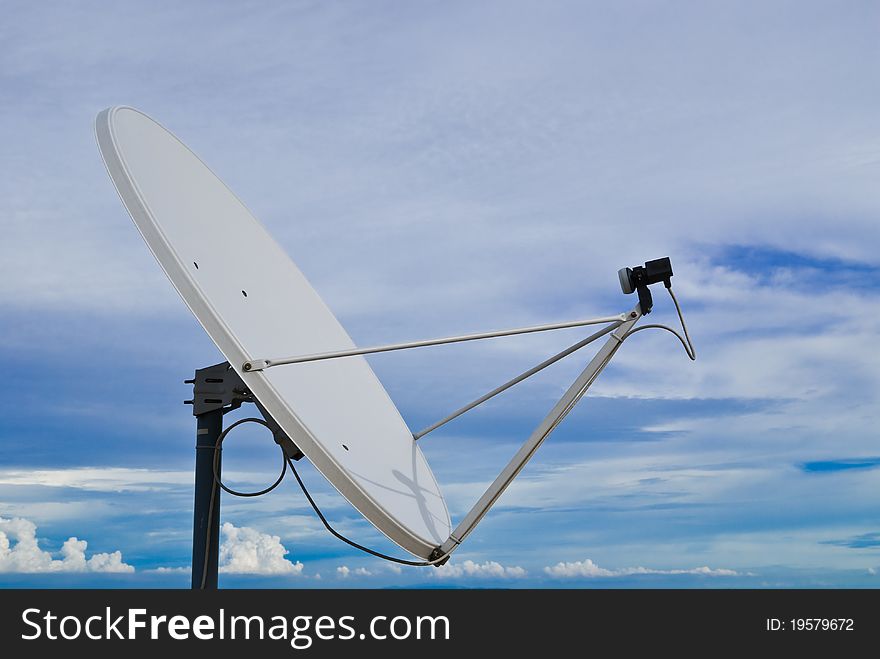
[(217, 390), (207, 502)]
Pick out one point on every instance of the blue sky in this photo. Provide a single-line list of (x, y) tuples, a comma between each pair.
[(447, 167)]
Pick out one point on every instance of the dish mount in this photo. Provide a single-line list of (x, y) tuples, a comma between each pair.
[(217, 390)]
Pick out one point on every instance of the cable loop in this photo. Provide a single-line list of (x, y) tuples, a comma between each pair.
[(217, 448), (686, 342)]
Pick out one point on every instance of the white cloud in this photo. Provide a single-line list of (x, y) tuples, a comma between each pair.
[(111, 479), (343, 571), (486, 570), (588, 569), (247, 551), (704, 570), (585, 568), (19, 502), (20, 552), (98, 479)]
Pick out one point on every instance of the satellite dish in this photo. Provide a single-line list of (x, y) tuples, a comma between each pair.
[(252, 300), (256, 305)]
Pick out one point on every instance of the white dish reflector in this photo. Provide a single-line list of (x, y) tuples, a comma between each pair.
[(253, 301)]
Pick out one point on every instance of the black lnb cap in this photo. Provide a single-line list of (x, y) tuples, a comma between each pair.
[(640, 277), (659, 270), (653, 272)]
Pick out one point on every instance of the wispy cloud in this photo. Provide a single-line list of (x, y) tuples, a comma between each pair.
[(588, 569), (98, 479)]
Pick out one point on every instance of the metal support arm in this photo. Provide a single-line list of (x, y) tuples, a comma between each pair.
[(262, 364), (575, 392), (519, 378)]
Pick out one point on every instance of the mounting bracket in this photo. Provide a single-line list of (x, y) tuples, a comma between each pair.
[(217, 390)]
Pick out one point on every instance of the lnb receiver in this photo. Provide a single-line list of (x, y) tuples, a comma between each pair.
[(638, 278)]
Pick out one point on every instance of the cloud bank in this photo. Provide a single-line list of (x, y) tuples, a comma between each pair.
[(343, 572), (486, 570), (20, 552), (588, 569)]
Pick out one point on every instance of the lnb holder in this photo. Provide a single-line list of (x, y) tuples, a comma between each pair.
[(638, 278)]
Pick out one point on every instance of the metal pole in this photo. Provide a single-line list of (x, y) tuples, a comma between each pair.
[(206, 517), (568, 400)]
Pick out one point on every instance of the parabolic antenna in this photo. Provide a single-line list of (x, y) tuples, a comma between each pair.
[(253, 301), (262, 313)]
